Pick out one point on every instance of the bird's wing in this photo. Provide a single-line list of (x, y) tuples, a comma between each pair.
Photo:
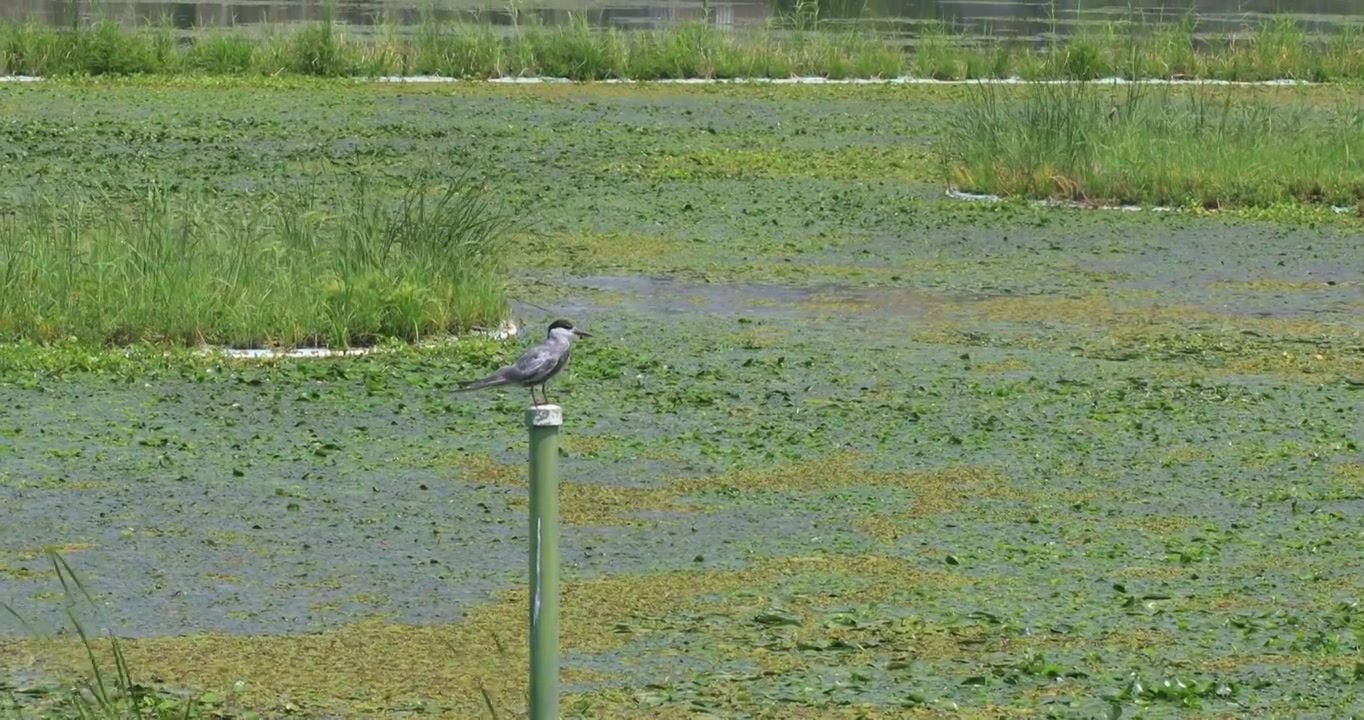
[(535, 362)]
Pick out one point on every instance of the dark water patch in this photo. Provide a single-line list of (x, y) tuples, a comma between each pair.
[(182, 558), (666, 296), (704, 541)]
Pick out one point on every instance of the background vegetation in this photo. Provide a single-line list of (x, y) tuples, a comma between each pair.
[(799, 43)]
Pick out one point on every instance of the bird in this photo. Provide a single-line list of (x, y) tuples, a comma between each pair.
[(537, 365)]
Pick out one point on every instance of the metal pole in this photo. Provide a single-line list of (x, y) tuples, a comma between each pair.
[(543, 421)]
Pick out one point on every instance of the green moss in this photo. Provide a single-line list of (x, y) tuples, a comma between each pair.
[(605, 251)]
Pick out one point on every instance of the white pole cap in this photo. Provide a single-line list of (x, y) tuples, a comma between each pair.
[(544, 416)]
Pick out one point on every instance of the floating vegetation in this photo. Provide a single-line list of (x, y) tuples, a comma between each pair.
[(840, 447)]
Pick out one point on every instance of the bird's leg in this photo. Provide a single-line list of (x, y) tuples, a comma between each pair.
[(544, 390), (532, 397)]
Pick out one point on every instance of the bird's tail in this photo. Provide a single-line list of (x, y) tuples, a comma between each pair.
[(491, 381)]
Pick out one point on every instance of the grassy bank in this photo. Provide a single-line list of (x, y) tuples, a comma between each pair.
[(1271, 49), (292, 269), (1199, 146)]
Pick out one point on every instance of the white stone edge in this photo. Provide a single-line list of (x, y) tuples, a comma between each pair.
[(506, 329), (987, 197)]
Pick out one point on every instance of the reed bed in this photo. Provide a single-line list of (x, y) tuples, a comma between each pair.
[(461, 50), (797, 46), (1267, 49), (287, 271), (1157, 145)]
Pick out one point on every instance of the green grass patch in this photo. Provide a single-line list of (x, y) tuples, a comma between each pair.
[(1190, 146), (293, 269), (799, 44)]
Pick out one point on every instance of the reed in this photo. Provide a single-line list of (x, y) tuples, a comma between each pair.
[(1156, 145), (800, 42)]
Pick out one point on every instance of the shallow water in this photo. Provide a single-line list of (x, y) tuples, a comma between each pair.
[(1008, 18), (301, 504)]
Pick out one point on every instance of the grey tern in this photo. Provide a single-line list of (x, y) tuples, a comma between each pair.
[(537, 365)]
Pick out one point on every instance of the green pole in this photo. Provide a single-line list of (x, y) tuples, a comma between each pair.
[(543, 421)]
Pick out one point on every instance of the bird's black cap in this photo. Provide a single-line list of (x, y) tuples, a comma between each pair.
[(561, 324)]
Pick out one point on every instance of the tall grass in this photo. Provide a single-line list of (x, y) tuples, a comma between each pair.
[(1269, 49), (285, 271), (799, 43), (1191, 145), (464, 50), (106, 693)]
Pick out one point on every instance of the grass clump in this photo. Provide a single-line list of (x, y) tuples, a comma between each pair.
[(284, 272), (1191, 146)]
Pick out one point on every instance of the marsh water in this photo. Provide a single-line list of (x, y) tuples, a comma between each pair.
[(952, 438), (1017, 18)]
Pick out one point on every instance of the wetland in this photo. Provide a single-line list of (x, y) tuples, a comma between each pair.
[(839, 446)]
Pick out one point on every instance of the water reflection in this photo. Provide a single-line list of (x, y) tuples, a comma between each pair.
[(998, 17)]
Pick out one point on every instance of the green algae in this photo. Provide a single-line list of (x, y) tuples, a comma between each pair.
[(446, 666), (585, 503), (852, 163)]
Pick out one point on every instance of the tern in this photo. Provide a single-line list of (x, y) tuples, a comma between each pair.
[(537, 365)]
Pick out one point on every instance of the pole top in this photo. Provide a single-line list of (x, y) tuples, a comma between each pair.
[(544, 416)]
